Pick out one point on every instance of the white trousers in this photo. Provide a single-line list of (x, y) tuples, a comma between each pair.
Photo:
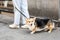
[(23, 6)]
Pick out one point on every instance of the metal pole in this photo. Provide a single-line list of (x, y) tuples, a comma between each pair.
[(59, 9)]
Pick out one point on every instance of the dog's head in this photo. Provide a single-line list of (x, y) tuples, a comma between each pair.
[(30, 23)]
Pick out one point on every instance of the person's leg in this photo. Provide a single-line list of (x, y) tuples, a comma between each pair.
[(16, 17), (24, 9), (16, 3)]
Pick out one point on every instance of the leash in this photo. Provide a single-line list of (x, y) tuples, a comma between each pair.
[(20, 12)]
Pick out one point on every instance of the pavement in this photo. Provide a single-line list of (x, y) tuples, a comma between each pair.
[(23, 34)]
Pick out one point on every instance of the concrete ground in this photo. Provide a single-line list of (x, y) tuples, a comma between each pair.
[(23, 34)]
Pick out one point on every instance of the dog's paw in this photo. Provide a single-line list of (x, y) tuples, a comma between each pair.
[(49, 31), (32, 32)]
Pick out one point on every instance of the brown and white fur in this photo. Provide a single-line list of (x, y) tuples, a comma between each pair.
[(36, 24)]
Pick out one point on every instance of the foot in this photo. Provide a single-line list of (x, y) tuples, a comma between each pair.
[(24, 26), (14, 26)]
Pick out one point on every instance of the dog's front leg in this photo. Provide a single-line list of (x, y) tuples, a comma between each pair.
[(34, 30)]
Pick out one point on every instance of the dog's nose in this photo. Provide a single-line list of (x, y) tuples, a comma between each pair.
[(31, 24)]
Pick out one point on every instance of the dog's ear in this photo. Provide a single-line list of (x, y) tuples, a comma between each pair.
[(27, 19), (34, 18)]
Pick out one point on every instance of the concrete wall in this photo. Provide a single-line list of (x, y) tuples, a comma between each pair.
[(44, 8)]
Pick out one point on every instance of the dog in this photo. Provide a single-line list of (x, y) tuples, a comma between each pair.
[(37, 24)]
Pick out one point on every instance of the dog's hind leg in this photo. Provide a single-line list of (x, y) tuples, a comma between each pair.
[(50, 28)]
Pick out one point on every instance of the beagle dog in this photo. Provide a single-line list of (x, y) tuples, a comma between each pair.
[(37, 24)]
